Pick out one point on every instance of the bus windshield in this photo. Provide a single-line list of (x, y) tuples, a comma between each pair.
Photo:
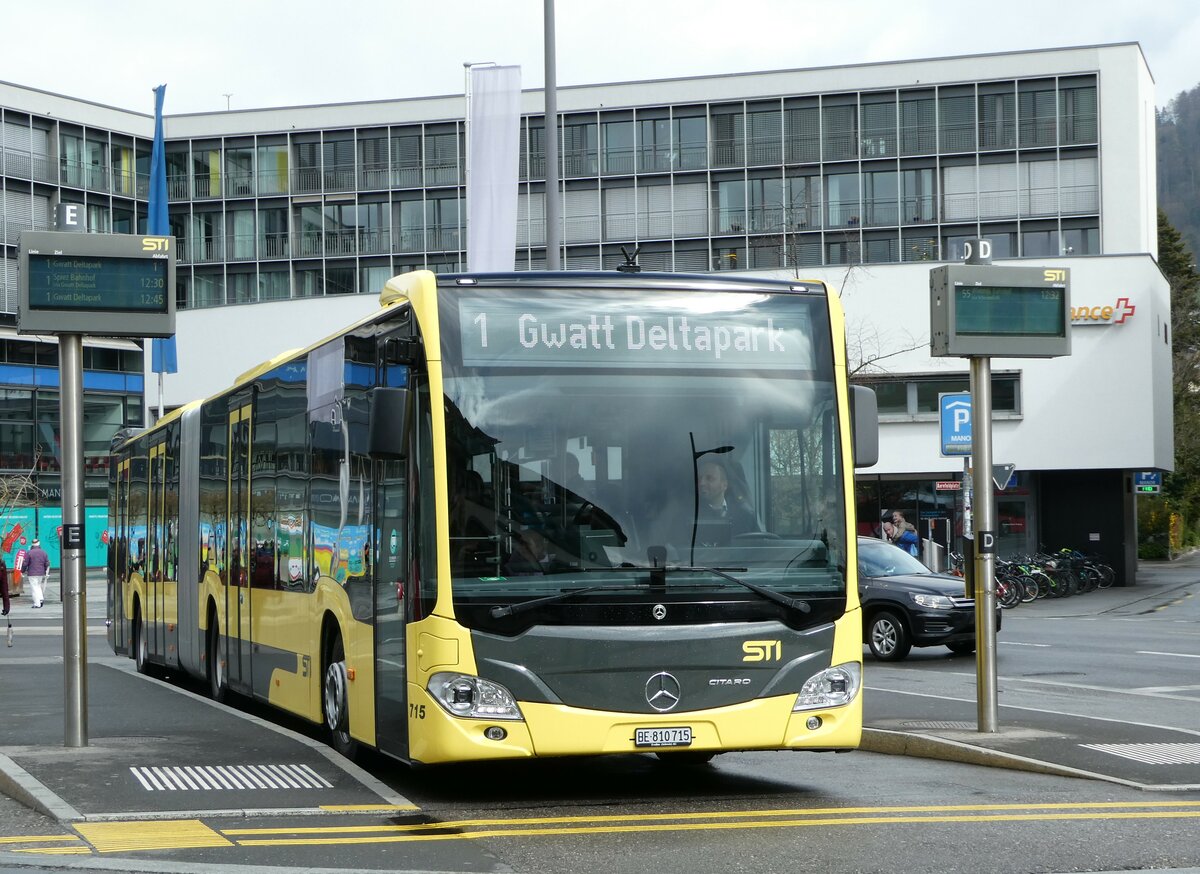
[(592, 434)]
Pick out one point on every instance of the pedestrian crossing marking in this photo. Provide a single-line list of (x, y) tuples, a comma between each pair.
[(1153, 754), (188, 778)]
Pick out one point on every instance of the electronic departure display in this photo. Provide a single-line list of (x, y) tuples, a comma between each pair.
[(663, 330), (75, 282), (1010, 311), (986, 310), (107, 285)]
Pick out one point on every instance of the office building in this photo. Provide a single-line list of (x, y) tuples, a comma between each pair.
[(289, 221)]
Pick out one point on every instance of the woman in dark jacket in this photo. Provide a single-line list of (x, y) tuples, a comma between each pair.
[(4, 586)]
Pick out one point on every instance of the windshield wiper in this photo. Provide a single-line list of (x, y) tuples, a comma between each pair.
[(566, 595), (525, 606), (769, 594)]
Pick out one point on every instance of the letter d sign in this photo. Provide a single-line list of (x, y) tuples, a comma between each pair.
[(977, 251)]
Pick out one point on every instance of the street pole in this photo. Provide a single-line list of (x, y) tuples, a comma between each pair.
[(70, 373), (984, 510), (553, 209)]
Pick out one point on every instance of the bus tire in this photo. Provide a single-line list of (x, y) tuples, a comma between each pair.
[(217, 688), (335, 698), (141, 649)]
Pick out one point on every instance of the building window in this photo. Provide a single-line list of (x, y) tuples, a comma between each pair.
[(1039, 117), (765, 137), (838, 133), (879, 128), (654, 145), (728, 132), (802, 135), (956, 123), (1040, 244), (691, 143), (618, 147), (579, 151), (881, 198), (997, 121), (1077, 115), (915, 396)]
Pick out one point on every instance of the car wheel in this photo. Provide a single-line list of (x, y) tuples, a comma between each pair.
[(888, 637), (961, 647)]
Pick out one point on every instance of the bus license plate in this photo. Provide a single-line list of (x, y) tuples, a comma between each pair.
[(663, 737)]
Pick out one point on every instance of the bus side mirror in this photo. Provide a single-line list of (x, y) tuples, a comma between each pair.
[(864, 424), (387, 431)]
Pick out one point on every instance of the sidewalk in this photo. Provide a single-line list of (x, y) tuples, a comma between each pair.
[(51, 611), (1124, 748)]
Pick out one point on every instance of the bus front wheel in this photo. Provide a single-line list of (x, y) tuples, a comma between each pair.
[(336, 698)]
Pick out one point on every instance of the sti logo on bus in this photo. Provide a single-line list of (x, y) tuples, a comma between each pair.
[(156, 244), (1055, 275), (762, 651)]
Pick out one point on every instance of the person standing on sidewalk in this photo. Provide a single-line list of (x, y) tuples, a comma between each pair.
[(37, 565), (5, 604)]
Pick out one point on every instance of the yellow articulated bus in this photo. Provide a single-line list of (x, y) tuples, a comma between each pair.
[(515, 515)]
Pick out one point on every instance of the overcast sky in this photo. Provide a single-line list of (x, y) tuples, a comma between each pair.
[(276, 53)]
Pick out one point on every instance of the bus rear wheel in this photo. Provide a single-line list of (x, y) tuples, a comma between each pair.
[(215, 667), (141, 648), (335, 695)]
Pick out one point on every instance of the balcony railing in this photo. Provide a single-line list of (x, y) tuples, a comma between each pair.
[(207, 249), (206, 185), (177, 187), (239, 183), (124, 182), (274, 245)]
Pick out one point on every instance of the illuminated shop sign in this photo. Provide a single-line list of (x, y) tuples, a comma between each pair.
[(1106, 314)]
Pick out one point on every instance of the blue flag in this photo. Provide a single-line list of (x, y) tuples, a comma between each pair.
[(158, 225)]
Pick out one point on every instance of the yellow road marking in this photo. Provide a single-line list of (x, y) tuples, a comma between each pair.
[(168, 834), (697, 826), (714, 815), (36, 839), (56, 851)]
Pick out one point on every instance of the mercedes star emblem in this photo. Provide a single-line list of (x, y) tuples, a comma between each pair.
[(660, 612), (662, 692)]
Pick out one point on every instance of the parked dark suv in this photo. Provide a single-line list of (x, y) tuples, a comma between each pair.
[(905, 604)]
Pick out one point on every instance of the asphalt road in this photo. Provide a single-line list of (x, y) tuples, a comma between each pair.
[(1127, 659)]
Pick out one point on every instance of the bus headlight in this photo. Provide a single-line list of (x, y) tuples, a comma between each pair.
[(832, 687), (473, 697)]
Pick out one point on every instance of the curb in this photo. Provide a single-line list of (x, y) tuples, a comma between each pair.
[(20, 785), (899, 743)]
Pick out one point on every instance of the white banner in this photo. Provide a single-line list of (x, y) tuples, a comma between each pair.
[(493, 137)]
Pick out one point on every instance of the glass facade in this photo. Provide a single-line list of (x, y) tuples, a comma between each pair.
[(878, 176)]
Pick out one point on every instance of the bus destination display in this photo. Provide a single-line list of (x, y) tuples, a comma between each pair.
[(87, 282), (592, 332)]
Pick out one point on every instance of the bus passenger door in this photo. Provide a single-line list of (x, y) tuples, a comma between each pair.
[(118, 547), (240, 552), (154, 607), (392, 581)]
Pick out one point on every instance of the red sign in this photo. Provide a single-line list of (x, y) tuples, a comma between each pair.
[(947, 485)]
